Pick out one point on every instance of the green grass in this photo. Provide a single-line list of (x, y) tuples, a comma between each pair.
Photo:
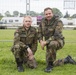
[(8, 65), (6, 34)]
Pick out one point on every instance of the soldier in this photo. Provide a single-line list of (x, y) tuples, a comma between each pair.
[(25, 44), (50, 35)]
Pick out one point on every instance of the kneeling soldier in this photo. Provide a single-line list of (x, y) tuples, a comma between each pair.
[(25, 44)]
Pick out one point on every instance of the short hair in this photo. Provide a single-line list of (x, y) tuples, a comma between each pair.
[(28, 17), (48, 8)]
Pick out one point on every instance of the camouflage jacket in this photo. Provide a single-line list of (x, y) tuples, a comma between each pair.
[(24, 38), (50, 30)]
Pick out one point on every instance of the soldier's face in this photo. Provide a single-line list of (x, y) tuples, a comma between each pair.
[(27, 22), (48, 14)]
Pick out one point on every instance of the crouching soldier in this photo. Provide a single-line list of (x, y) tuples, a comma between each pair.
[(25, 44)]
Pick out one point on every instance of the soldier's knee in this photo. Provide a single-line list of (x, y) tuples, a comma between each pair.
[(32, 63), (15, 49), (52, 44), (16, 46)]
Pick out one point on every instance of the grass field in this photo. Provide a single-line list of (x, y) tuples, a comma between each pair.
[(8, 65)]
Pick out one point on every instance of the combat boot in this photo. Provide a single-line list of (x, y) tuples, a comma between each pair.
[(20, 68), (19, 65), (69, 59), (49, 67)]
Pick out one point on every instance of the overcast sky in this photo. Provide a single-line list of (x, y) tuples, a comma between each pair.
[(35, 5)]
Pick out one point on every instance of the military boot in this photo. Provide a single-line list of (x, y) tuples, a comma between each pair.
[(19, 65), (69, 59), (49, 67)]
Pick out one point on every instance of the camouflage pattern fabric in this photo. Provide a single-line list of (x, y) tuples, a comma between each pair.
[(58, 62), (51, 32), (22, 39)]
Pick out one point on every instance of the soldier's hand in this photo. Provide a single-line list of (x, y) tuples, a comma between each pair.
[(29, 51), (42, 43), (30, 54)]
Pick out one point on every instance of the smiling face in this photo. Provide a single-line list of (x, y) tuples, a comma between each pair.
[(27, 21), (48, 14)]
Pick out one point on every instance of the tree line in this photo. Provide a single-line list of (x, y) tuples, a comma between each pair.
[(33, 13)]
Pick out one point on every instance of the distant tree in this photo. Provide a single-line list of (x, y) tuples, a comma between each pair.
[(67, 15), (73, 16), (42, 14), (15, 13), (7, 14), (32, 13), (57, 12), (1, 16), (22, 15)]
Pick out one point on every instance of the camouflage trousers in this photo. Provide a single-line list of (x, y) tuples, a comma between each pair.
[(51, 50), (58, 62), (22, 55)]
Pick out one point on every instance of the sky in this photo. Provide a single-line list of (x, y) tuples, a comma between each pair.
[(35, 5)]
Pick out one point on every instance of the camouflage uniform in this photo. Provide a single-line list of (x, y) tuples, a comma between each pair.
[(22, 39), (51, 32)]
